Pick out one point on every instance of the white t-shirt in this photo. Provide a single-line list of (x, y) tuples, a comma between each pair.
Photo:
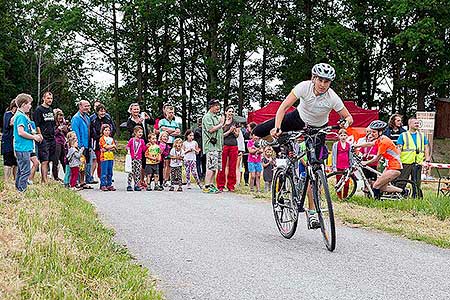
[(188, 146), (176, 162), (314, 110)]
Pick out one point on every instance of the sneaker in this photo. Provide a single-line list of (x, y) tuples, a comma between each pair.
[(142, 184), (171, 189), (111, 188), (137, 188), (213, 190), (405, 193), (104, 189), (129, 188), (313, 221), (149, 188), (179, 189), (205, 189)]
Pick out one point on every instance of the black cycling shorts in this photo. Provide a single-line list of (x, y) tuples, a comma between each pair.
[(291, 122)]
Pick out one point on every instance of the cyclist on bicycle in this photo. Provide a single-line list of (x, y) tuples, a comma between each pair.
[(388, 150), (317, 100)]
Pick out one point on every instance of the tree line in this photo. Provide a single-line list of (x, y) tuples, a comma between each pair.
[(391, 55)]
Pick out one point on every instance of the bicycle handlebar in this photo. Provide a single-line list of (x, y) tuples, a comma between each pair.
[(293, 135)]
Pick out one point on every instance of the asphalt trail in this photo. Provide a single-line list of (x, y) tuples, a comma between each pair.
[(227, 246)]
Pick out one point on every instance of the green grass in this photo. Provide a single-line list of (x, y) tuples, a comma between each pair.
[(53, 246)]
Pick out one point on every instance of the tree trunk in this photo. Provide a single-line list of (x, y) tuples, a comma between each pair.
[(228, 69), (116, 66), (263, 73), (241, 81), (184, 116)]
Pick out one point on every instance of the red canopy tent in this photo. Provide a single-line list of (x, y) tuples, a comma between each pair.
[(361, 117), (265, 113)]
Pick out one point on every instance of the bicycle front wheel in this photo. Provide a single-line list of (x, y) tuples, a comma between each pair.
[(324, 208), (285, 208), (344, 188)]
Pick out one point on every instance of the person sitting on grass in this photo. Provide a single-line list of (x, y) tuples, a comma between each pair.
[(176, 162), (153, 158), (107, 146)]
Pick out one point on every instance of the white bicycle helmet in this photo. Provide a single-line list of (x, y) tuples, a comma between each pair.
[(324, 70), (378, 125)]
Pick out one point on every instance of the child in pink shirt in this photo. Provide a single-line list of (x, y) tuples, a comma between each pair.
[(136, 148), (342, 159), (254, 163)]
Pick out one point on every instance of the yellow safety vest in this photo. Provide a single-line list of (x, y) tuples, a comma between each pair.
[(410, 152)]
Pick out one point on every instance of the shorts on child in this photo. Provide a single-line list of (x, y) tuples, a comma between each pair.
[(254, 167), (152, 169), (214, 160)]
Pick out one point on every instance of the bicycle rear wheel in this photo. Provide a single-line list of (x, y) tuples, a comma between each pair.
[(284, 206), (409, 188), (342, 188), (324, 208)]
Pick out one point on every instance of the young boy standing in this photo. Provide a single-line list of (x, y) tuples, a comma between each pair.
[(153, 158), (23, 140)]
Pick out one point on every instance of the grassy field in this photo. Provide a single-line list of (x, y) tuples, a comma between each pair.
[(53, 246)]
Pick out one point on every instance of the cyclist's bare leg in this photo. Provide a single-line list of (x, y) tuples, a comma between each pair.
[(309, 195), (383, 182)]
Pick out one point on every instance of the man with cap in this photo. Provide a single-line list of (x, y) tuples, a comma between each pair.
[(212, 136)]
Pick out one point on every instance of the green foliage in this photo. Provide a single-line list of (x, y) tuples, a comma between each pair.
[(391, 52)]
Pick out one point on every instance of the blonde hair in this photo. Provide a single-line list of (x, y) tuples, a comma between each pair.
[(132, 105), (163, 133), (22, 99), (177, 141), (71, 138)]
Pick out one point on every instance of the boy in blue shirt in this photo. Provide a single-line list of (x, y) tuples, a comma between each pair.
[(23, 140)]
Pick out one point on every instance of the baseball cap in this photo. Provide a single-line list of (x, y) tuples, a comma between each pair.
[(213, 102)]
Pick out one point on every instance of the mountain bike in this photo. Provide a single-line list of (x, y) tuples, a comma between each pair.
[(346, 181), (289, 190)]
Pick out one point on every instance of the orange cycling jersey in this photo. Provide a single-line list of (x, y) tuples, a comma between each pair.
[(390, 152)]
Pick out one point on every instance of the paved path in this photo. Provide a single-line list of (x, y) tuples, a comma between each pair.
[(227, 246)]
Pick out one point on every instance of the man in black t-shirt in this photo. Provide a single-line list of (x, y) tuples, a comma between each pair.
[(45, 124)]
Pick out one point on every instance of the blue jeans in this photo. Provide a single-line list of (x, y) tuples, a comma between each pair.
[(107, 173), (87, 171), (23, 170)]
